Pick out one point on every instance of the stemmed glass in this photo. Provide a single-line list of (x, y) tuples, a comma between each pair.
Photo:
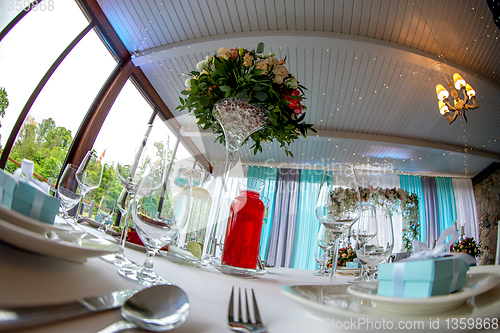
[(325, 241), (158, 216), (130, 172), (68, 191), (363, 231), (379, 244), (89, 174), (105, 211), (338, 205)]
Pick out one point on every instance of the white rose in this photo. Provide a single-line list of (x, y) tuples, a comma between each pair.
[(201, 65), (208, 58), (188, 83)]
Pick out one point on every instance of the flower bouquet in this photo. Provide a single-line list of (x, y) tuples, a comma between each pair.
[(466, 245), (346, 254), (255, 78)]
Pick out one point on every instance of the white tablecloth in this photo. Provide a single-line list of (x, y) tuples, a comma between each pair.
[(28, 279)]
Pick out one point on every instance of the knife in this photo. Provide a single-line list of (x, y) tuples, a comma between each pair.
[(21, 317)]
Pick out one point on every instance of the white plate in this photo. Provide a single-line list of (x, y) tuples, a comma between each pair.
[(347, 271), (335, 307), (27, 222), (475, 284), (65, 245)]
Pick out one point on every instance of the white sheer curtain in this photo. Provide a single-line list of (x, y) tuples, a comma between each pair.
[(466, 207)]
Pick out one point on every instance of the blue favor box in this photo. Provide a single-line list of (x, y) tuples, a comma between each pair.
[(34, 203), (422, 278), (7, 186), (352, 264)]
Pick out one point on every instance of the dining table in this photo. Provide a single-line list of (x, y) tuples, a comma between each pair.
[(28, 279)]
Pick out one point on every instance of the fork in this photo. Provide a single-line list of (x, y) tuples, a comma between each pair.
[(248, 326)]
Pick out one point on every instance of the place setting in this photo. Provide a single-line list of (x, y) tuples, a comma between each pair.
[(433, 287), (35, 220)]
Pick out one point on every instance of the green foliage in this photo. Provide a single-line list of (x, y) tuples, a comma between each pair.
[(261, 79), (45, 144), (4, 102)]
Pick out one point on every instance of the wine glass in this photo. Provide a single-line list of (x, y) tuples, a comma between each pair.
[(89, 174), (150, 153), (158, 216), (378, 244), (363, 231), (325, 241), (68, 191), (338, 205), (105, 211)]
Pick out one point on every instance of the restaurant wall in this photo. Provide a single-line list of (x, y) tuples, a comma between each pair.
[(487, 193)]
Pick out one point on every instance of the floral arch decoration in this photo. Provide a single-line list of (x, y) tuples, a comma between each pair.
[(397, 200)]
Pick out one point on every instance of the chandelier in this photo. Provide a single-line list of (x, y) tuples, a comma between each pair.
[(460, 105)]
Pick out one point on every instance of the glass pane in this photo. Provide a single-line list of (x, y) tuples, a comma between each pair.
[(57, 113), (30, 48)]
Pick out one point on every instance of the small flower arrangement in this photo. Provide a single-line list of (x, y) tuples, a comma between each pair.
[(466, 245), (251, 75), (346, 254)]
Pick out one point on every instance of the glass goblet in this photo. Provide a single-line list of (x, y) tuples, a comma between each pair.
[(378, 248), (105, 211), (363, 231), (149, 154), (326, 241), (68, 191), (338, 205), (158, 216), (89, 174)]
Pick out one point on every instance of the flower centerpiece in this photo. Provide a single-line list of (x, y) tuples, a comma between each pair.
[(346, 254), (466, 245), (255, 78)]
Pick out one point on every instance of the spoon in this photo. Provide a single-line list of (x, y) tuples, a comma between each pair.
[(156, 309)]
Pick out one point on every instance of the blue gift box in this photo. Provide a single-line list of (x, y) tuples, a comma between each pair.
[(422, 278), (32, 202), (352, 264), (7, 186)]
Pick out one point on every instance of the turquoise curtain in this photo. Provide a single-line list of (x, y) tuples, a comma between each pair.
[(268, 175), (447, 209), (413, 184), (307, 224)]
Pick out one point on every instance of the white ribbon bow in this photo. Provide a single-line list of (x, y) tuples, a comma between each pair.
[(26, 172), (442, 248)]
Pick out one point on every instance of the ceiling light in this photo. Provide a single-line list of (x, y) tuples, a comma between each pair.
[(460, 105)]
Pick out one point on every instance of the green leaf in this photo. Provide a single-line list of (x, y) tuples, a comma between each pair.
[(181, 100), (261, 96), (185, 92), (260, 47), (242, 94), (204, 101), (202, 85), (257, 87), (223, 88), (194, 90)]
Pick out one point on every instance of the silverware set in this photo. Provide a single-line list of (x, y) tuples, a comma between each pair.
[(158, 308)]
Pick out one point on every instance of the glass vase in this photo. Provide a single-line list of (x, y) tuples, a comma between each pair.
[(238, 119), (243, 231)]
